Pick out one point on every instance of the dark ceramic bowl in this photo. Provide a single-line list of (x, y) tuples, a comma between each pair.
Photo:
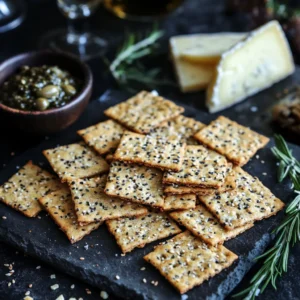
[(52, 120)]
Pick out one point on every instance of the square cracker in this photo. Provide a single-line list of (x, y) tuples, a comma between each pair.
[(138, 231), (250, 201), (201, 167), (175, 202), (60, 206), (236, 142), (164, 154), (143, 112), (135, 183), (180, 128), (228, 185), (93, 205), (204, 225), (75, 161), (185, 261), (23, 189), (104, 137)]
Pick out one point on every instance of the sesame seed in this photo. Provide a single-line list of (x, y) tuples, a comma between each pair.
[(117, 277), (30, 285), (88, 291), (104, 295), (54, 287), (4, 218), (72, 286), (53, 276), (144, 280), (60, 297), (82, 258), (27, 293), (38, 267), (143, 269), (264, 173)]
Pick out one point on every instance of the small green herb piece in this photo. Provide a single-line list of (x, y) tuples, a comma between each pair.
[(127, 68), (275, 260)]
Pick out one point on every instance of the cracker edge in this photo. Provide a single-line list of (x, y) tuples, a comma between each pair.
[(239, 162), (71, 178), (209, 241), (227, 252), (142, 245), (24, 212), (73, 241)]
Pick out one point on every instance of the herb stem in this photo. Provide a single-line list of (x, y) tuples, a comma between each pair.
[(287, 234)]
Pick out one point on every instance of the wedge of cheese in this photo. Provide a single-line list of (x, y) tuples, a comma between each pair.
[(250, 66), (195, 57), (208, 48)]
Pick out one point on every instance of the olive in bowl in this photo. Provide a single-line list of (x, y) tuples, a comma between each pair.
[(43, 92)]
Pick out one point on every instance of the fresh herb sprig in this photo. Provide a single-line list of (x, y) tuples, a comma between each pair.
[(275, 260), (127, 68)]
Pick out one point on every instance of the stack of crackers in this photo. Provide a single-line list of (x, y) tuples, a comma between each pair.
[(148, 172)]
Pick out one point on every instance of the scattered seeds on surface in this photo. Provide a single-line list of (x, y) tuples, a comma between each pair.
[(88, 291), (54, 287), (104, 295)]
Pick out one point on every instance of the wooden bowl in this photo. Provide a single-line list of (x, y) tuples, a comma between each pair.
[(51, 120)]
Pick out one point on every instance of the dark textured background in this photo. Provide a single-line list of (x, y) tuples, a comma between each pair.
[(193, 16)]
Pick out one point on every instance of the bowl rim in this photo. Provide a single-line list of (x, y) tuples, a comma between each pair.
[(87, 80)]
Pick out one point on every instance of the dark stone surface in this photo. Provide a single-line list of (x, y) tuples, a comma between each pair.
[(194, 16), (41, 237)]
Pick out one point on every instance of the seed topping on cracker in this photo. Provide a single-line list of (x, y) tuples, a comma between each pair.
[(236, 142), (75, 161), (143, 112)]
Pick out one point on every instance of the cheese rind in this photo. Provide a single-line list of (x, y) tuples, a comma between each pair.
[(195, 57), (250, 66)]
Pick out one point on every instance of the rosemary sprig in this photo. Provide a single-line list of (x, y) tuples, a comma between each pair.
[(126, 68), (288, 164), (275, 260)]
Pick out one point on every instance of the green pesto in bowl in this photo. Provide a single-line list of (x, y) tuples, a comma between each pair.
[(39, 88)]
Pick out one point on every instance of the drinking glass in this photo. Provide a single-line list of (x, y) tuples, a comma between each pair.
[(12, 13), (77, 38)]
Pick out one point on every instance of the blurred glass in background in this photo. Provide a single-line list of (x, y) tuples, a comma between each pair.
[(77, 38), (12, 13)]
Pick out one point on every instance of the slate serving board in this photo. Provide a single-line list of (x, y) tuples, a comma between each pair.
[(40, 237)]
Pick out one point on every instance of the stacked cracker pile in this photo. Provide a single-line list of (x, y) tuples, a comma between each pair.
[(161, 170)]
